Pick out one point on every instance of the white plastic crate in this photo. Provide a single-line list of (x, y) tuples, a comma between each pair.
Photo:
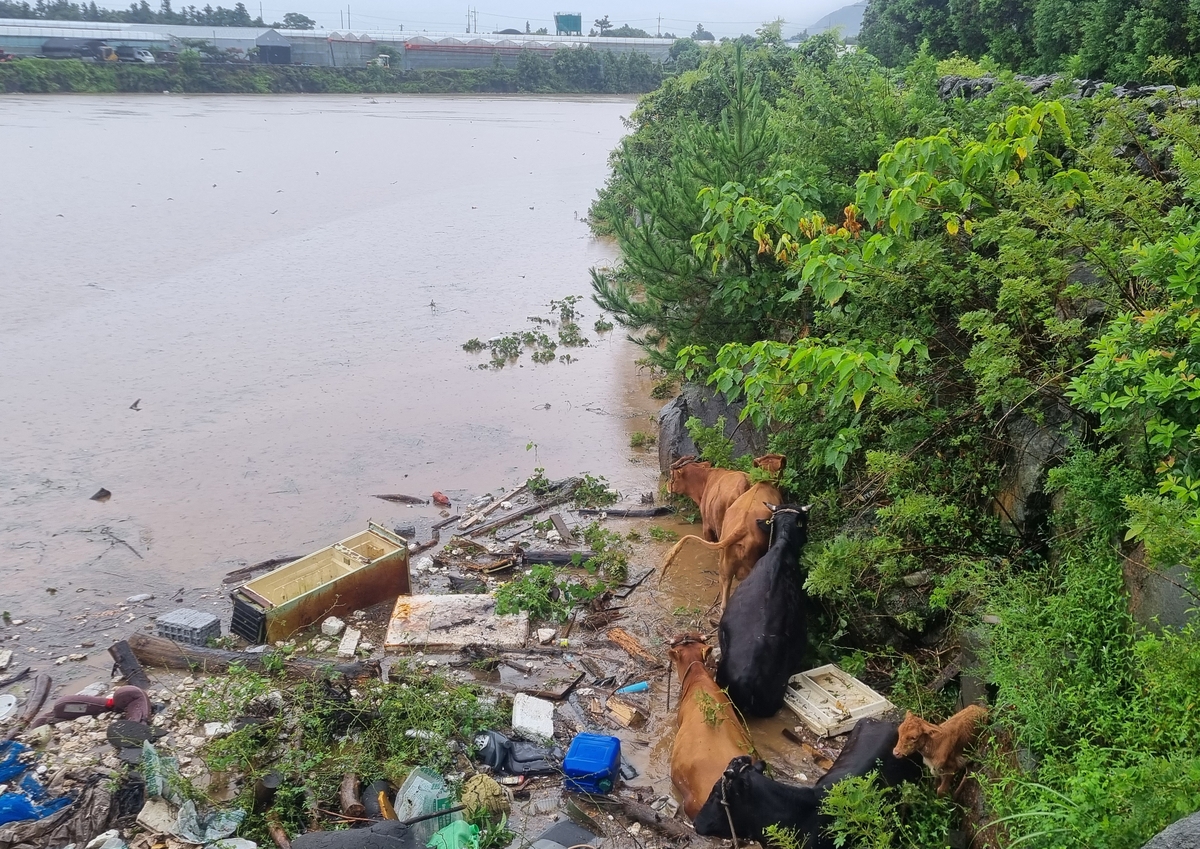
[(188, 626), (830, 702)]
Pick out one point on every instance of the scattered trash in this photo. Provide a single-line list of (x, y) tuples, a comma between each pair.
[(440, 500), (349, 643), (353, 574), (449, 623), (482, 793), (8, 706), (513, 757), (131, 701), (628, 714), (185, 625), (332, 626), (545, 635), (830, 702), (140, 597), (564, 835), (425, 792), (381, 835), (639, 687), (591, 763), (101, 495), (25, 798), (533, 716), (457, 835)]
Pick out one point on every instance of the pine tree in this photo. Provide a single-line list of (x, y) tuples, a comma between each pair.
[(663, 292)]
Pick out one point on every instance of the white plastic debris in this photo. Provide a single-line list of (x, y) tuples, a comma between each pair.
[(533, 716), (545, 635), (213, 730), (349, 643), (332, 626)]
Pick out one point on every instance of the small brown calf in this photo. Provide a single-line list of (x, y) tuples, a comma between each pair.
[(941, 746)]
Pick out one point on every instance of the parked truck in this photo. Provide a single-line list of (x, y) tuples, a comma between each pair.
[(94, 50)]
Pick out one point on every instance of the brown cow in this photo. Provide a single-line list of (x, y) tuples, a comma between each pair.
[(708, 732), (941, 746), (714, 490), (742, 541)]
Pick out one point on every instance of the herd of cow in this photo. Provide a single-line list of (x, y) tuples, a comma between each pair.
[(763, 637)]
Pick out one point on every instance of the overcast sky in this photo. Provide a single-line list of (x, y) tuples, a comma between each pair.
[(678, 17)]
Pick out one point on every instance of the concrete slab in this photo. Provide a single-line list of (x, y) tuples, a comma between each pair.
[(450, 622)]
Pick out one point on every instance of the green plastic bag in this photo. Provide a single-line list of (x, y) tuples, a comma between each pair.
[(458, 835)]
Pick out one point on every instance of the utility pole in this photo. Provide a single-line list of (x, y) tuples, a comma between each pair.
[(660, 24), (347, 16), (341, 23)]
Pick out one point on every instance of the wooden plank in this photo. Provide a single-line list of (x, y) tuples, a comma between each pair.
[(561, 526), (626, 641), (122, 655), (628, 512)]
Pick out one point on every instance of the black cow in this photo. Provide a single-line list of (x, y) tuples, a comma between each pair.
[(756, 801), (763, 634)]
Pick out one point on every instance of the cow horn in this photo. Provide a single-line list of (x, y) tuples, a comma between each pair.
[(805, 508), (683, 461), (770, 506)]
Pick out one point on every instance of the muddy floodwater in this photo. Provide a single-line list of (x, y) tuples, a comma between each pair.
[(282, 285)]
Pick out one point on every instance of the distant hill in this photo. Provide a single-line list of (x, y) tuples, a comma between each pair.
[(848, 18)]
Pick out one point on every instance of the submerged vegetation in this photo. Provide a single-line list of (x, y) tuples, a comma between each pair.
[(972, 326)]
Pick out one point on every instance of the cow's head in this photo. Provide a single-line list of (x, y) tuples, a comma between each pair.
[(782, 512), (912, 734), (772, 464), (755, 802), (684, 470), (687, 649)]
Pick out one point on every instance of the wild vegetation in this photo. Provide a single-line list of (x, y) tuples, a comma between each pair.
[(907, 295), (1112, 40)]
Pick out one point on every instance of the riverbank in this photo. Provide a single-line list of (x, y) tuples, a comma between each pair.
[(619, 74)]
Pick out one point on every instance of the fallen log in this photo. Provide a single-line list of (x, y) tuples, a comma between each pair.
[(37, 698), (350, 803), (122, 655), (632, 647), (246, 571), (168, 654), (398, 498), (275, 829), (628, 512), (656, 820)]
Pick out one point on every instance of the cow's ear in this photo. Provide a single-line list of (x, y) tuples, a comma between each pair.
[(705, 652), (760, 766)]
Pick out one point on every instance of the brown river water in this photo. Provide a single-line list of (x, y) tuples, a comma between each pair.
[(283, 284)]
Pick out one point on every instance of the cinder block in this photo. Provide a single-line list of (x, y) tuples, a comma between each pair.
[(188, 626)]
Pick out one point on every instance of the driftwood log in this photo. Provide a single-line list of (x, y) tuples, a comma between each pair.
[(651, 818), (632, 647), (37, 698), (275, 829), (350, 802), (627, 512), (168, 654), (556, 558), (122, 655)]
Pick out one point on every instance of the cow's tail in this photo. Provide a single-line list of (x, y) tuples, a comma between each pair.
[(723, 544)]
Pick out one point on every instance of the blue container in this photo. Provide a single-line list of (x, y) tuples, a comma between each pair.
[(591, 764)]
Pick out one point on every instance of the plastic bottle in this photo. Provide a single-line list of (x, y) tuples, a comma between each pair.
[(639, 687)]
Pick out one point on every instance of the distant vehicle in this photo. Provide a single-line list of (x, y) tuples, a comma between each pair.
[(87, 49), (135, 54), (382, 60)]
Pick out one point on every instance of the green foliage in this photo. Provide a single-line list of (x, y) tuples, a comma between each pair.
[(661, 534), (594, 492), (1114, 40), (641, 439), (908, 816), (545, 594), (611, 557), (712, 443)]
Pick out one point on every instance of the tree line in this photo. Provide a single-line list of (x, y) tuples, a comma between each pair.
[(141, 13), (1113, 40)]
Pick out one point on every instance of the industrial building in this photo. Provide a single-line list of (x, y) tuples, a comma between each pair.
[(340, 49)]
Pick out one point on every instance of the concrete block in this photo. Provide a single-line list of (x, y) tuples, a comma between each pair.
[(349, 643)]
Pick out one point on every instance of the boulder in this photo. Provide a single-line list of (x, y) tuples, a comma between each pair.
[(1183, 834), (708, 406)]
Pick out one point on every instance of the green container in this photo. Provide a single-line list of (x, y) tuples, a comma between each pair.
[(425, 792)]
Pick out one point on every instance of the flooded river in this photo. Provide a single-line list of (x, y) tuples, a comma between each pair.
[(283, 286)]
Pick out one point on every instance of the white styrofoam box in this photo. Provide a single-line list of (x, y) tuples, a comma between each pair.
[(830, 702)]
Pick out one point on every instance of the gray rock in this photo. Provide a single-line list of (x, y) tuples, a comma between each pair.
[(1184, 834), (1034, 448), (708, 406)]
